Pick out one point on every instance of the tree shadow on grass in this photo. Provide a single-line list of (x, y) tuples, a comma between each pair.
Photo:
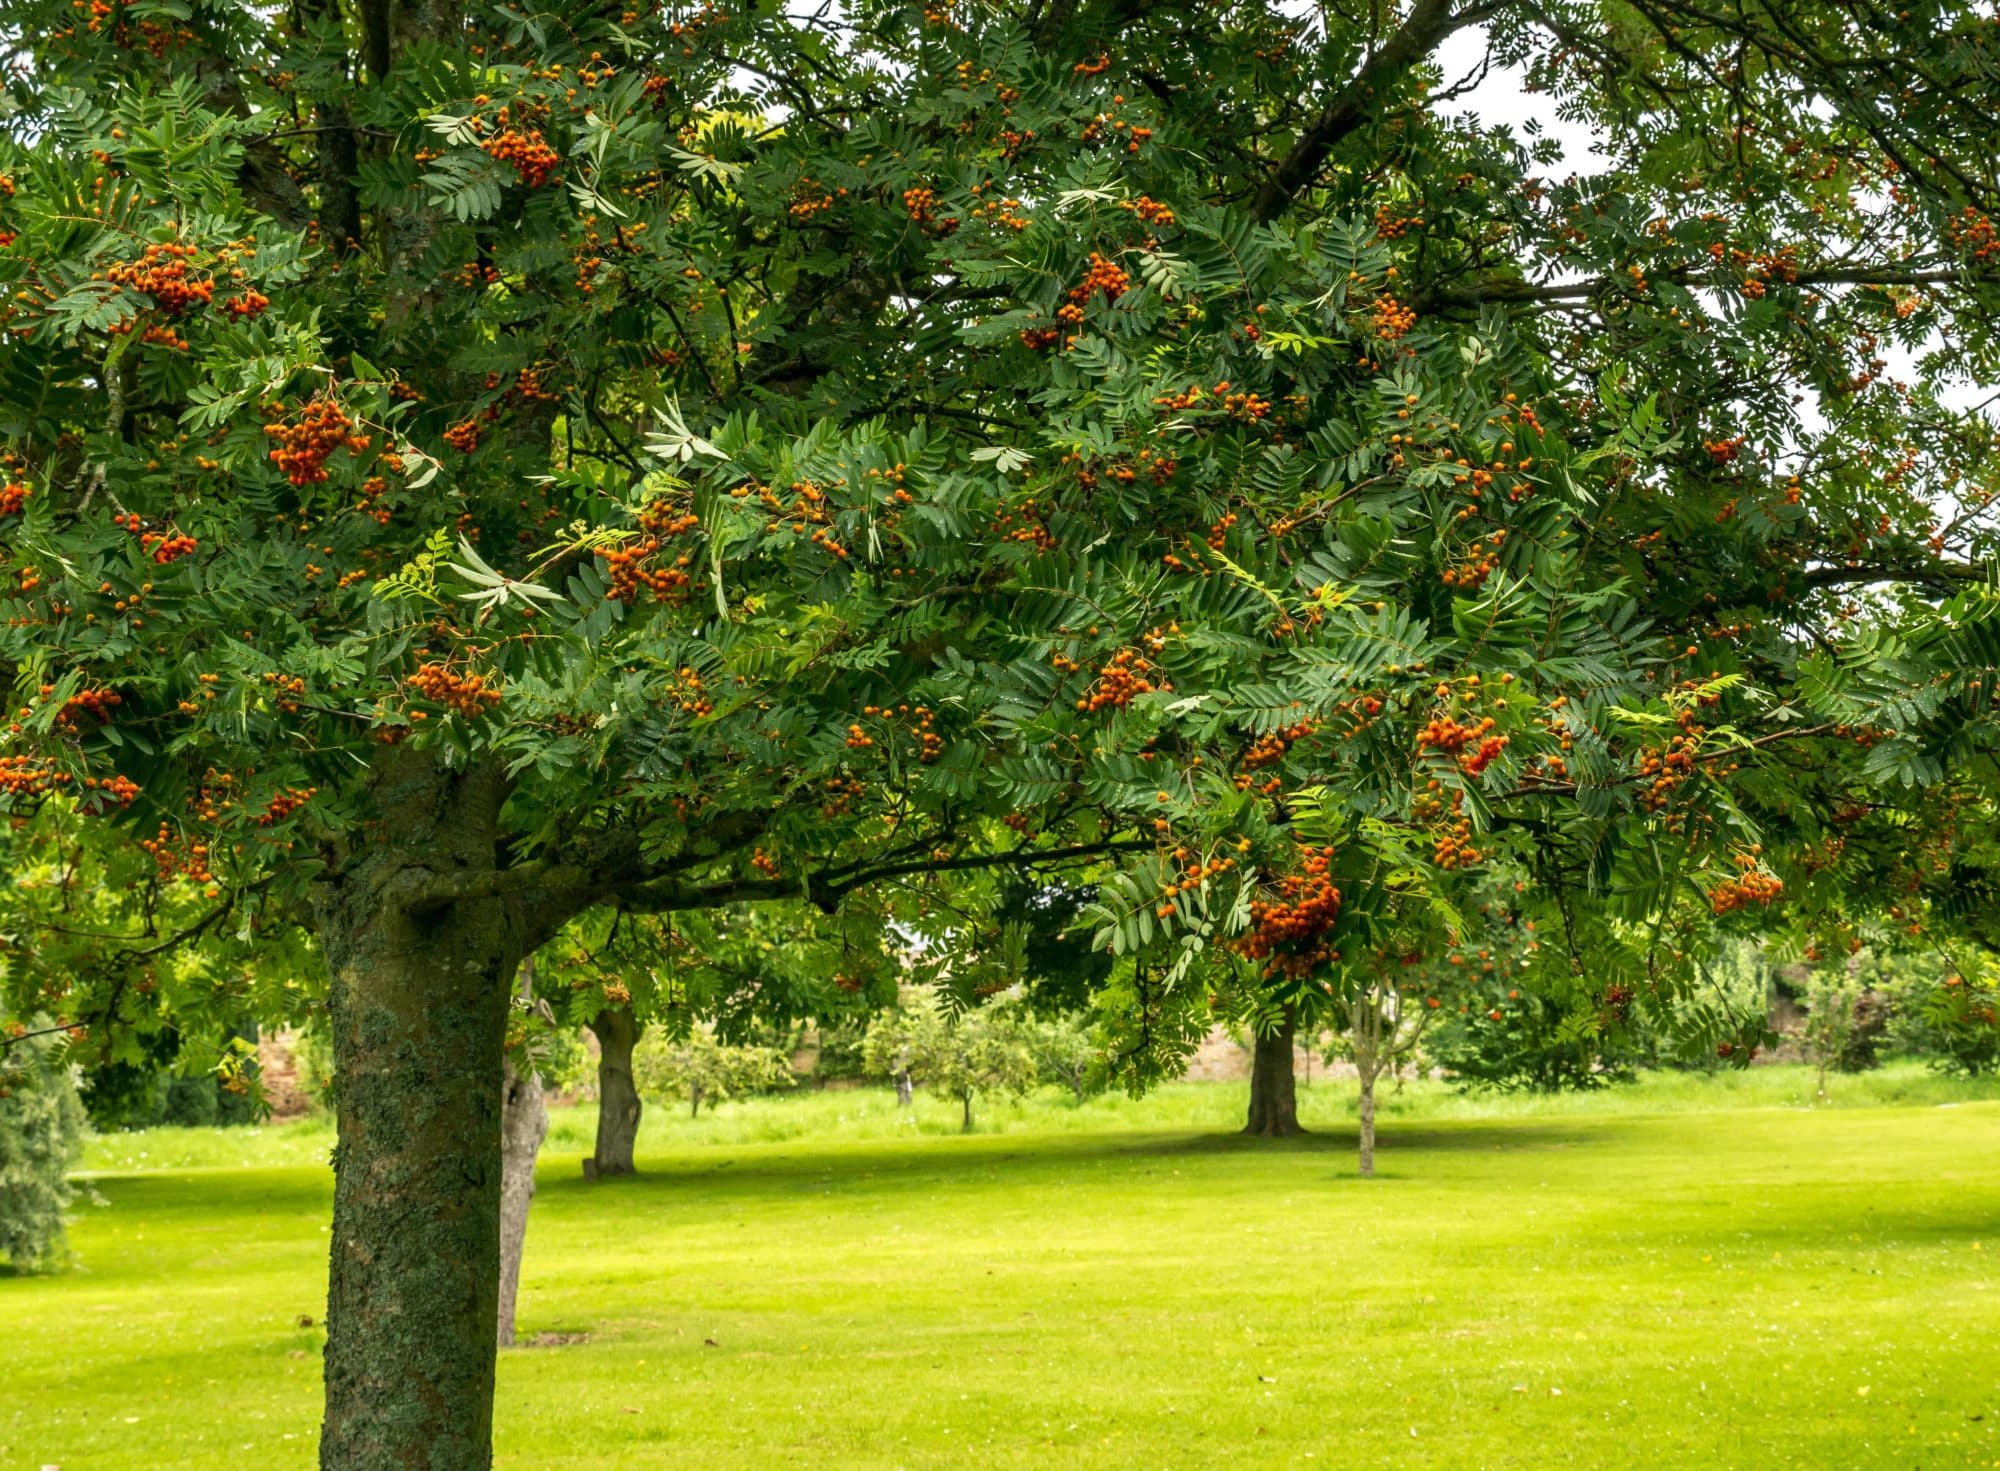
[(933, 1160)]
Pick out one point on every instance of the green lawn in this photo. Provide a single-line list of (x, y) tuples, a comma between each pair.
[(1692, 1273)]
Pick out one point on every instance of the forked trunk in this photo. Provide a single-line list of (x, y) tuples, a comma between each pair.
[(524, 1124), (419, 1013), (1274, 1094), (618, 1105)]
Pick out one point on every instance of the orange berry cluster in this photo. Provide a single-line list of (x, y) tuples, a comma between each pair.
[(1150, 210), (105, 791), (177, 860), (1126, 675), (810, 198), (1195, 872), (1390, 319), (304, 447), (1665, 770), (1446, 733), (1974, 234), (922, 203), (1480, 563), (689, 695), (1454, 845), (471, 695), (99, 703), (26, 776), (14, 497), (1106, 276), (1391, 226), (1269, 749), (1289, 932), (930, 745), (628, 573), (1753, 886), (464, 435), (285, 804), (529, 153), (165, 548), (162, 273), (765, 864)]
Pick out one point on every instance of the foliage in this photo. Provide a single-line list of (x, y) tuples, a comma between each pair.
[(1065, 1051), (1952, 1020), (957, 1054), (702, 1068), (680, 459), (41, 1135)]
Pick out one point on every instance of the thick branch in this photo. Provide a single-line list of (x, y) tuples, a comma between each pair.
[(1430, 21)]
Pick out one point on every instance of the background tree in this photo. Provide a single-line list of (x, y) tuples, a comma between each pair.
[(41, 1135), (956, 1053), (702, 1068)]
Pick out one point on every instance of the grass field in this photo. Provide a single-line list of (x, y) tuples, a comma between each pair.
[(1694, 1272)]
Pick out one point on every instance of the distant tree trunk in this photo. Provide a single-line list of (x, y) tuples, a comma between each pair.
[(618, 1104), (524, 1123), (1274, 1096), (1076, 1078), (694, 1100), (1367, 1123), (965, 1097), (906, 1091)]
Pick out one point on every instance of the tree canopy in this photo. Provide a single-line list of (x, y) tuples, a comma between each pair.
[(469, 467)]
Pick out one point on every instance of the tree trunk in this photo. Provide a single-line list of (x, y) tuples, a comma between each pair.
[(906, 1092), (1274, 1097), (419, 1012), (966, 1099), (524, 1123), (618, 1105), (694, 1100), (1367, 1122)]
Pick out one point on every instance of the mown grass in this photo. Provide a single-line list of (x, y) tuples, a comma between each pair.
[(1692, 1272)]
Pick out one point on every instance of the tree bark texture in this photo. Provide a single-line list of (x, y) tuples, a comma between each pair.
[(1274, 1096), (618, 1104), (418, 1007)]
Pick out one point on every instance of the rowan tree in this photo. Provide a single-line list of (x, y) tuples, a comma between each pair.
[(469, 467)]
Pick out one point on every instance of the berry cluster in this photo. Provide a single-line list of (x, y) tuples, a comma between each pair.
[(1126, 675), (26, 776), (285, 804), (529, 153), (1390, 319), (304, 447), (14, 497), (1150, 210), (1290, 932), (921, 204), (628, 573), (471, 695), (1479, 563), (1269, 749), (165, 548), (162, 272), (464, 435), (1754, 885), (1447, 734), (176, 859), (1195, 871)]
